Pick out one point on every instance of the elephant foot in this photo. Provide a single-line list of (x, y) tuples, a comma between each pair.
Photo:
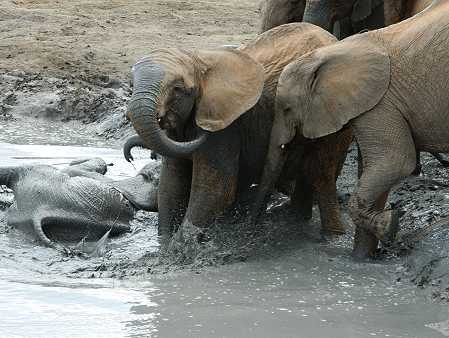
[(336, 230), (386, 225), (187, 244), (365, 245)]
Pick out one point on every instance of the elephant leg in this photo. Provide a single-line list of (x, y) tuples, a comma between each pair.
[(365, 242), (418, 168), (214, 178), (173, 194), (389, 155), (301, 202), (329, 158)]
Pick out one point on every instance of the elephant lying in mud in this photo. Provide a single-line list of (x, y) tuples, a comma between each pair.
[(77, 201), (210, 113), (390, 86)]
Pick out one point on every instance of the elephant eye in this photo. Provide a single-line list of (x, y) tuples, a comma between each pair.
[(179, 90)]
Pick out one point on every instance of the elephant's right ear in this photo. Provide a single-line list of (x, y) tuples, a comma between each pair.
[(231, 83), (344, 80)]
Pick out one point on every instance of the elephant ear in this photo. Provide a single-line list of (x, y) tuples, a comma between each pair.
[(346, 79), (231, 83), (361, 10)]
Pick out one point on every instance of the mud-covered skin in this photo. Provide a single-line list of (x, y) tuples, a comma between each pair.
[(229, 94), (75, 202), (391, 114)]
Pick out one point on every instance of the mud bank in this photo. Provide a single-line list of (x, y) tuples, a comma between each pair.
[(27, 98)]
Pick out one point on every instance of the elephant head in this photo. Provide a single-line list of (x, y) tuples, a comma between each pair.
[(278, 12), (317, 95), (178, 94), (325, 13)]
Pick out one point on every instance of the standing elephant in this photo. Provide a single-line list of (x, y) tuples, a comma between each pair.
[(352, 16), (209, 113), (390, 86)]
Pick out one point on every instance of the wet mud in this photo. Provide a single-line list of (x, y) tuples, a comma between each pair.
[(64, 84)]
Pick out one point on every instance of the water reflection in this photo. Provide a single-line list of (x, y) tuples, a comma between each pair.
[(75, 310)]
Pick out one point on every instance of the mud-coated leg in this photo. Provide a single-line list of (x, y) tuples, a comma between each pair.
[(214, 178), (301, 202), (418, 167), (173, 194), (328, 158), (365, 242), (389, 155)]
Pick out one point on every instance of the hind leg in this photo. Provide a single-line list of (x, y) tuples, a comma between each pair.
[(389, 155)]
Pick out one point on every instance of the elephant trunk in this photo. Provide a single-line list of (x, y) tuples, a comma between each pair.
[(319, 12), (143, 113), (133, 141), (271, 173)]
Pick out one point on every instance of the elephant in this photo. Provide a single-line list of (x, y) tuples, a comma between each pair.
[(321, 164), (279, 12), (352, 17), (343, 18), (390, 87), (77, 201), (398, 10), (209, 114)]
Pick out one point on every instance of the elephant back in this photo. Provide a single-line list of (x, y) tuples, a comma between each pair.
[(277, 47)]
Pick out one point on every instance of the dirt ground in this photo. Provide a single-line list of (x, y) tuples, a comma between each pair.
[(94, 38)]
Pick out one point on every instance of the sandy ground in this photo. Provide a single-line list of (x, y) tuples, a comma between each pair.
[(91, 38)]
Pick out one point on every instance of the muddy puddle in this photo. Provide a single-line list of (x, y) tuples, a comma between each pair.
[(311, 290)]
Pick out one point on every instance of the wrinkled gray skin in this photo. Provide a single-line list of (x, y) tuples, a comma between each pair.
[(340, 17), (204, 172), (279, 12), (390, 87), (352, 15), (76, 202)]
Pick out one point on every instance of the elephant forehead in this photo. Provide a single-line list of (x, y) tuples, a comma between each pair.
[(280, 46), (174, 62)]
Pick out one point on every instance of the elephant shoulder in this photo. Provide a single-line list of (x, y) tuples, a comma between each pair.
[(279, 46), (276, 48)]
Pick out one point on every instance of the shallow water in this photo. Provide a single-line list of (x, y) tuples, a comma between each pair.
[(312, 290)]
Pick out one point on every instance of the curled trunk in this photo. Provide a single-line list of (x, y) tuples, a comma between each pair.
[(143, 112), (131, 142)]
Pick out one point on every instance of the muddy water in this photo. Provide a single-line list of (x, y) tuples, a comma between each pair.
[(311, 290)]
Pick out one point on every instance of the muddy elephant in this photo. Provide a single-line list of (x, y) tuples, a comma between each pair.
[(274, 13), (210, 113), (77, 201), (321, 164), (343, 18), (390, 87), (352, 17)]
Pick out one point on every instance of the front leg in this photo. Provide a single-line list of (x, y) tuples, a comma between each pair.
[(214, 178), (173, 194)]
